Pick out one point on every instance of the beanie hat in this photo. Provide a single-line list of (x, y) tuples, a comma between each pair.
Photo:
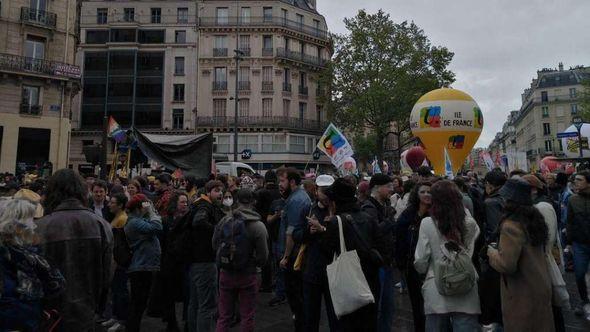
[(135, 201), (379, 180)]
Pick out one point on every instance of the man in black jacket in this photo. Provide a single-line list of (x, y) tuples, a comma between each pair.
[(98, 202), (378, 208), (203, 272)]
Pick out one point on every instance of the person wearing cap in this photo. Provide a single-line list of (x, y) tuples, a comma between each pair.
[(315, 279), (361, 233), (526, 289), (242, 284), (378, 207), (80, 244), (142, 227), (578, 235)]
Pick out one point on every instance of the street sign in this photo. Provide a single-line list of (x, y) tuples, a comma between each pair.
[(246, 154), (578, 122), (316, 155), (570, 134)]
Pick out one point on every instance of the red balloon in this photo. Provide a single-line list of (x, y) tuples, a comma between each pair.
[(415, 157), (550, 164)]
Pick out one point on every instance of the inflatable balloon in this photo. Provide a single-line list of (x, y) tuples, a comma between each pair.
[(414, 157), (446, 119), (570, 144), (549, 164)]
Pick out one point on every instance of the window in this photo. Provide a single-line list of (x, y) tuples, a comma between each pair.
[(179, 65), (182, 15), (546, 129), (151, 36), (267, 45), (102, 15), (245, 44), (300, 20), (316, 25), (320, 113), (548, 146), (220, 47), (267, 107), (178, 92), (267, 74), (310, 147), (128, 14), (180, 36), (222, 15), (30, 95), (38, 4), (544, 97), (245, 15), (156, 15), (574, 108), (123, 35), (223, 144), (287, 44), (248, 142), (303, 79), (219, 107), (573, 93), (560, 111), (220, 74), (287, 75), (35, 47), (244, 107), (273, 143), (284, 15), (560, 145), (302, 110), (177, 118), (545, 111), (297, 144), (244, 78), (97, 36), (267, 14), (286, 108)]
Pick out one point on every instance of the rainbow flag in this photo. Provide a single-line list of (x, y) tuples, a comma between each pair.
[(115, 131)]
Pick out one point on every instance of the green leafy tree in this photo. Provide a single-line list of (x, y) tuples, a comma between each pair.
[(379, 70)]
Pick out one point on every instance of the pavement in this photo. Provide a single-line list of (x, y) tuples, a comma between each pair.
[(278, 319)]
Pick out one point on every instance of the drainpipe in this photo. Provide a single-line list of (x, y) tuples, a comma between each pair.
[(63, 90)]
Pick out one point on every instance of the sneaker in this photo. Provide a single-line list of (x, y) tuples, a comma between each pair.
[(99, 319), (116, 328), (277, 301), (586, 309), (109, 322), (398, 285)]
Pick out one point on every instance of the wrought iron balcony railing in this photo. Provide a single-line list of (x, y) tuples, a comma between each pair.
[(17, 63), (267, 86), (38, 17), (287, 87), (31, 109), (220, 52), (303, 90), (299, 57), (263, 121), (220, 86), (244, 85), (254, 21)]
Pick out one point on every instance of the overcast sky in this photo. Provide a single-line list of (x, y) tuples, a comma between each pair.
[(499, 44)]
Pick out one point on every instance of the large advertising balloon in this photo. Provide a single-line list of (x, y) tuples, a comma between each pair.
[(570, 144), (446, 118)]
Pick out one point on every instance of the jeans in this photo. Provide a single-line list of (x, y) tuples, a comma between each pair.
[(232, 288), (280, 272), (455, 322), (141, 283), (293, 288), (581, 262), (120, 294), (312, 306), (386, 302), (203, 297), (414, 282)]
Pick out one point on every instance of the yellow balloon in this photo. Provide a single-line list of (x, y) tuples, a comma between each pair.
[(446, 118)]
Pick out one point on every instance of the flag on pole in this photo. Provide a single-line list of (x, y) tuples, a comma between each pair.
[(335, 145), (488, 161), (115, 131), (375, 164), (448, 166)]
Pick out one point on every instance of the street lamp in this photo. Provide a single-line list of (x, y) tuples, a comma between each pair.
[(237, 57)]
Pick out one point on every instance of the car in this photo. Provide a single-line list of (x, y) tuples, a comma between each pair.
[(234, 168)]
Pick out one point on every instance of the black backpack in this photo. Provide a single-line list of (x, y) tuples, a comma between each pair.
[(235, 248)]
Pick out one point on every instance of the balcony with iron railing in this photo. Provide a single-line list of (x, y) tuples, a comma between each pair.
[(220, 86), (245, 51), (30, 109), (267, 86), (303, 90), (25, 65), (263, 121), (286, 87), (267, 51), (137, 18), (301, 58), (219, 52), (244, 85), (256, 21), (38, 17)]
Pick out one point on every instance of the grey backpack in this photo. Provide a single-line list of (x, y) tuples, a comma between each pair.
[(454, 274)]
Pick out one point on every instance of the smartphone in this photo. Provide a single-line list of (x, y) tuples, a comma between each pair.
[(145, 204)]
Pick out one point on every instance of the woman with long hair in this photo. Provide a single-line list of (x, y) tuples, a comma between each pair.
[(26, 277), (449, 228), (520, 257), (407, 228)]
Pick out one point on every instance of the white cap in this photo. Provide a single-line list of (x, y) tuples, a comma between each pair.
[(324, 180)]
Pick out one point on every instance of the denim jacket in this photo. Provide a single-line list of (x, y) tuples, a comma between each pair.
[(142, 237)]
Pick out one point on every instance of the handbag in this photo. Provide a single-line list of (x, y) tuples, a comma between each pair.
[(560, 297), (298, 265), (348, 286)]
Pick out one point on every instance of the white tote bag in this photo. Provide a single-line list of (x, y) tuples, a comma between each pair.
[(348, 286)]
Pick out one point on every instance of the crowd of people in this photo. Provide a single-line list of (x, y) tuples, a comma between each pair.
[(471, 253)]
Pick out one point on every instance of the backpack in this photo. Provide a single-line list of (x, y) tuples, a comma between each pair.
[(122, 253), (235, 249), (454, 274)]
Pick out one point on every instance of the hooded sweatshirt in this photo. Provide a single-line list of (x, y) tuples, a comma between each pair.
[(578, 218)]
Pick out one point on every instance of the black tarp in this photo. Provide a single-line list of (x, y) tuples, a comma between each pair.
[(191, 153)]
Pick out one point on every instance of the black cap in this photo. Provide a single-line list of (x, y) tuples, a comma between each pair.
[(246, 196), (379, 180), (341, 191), (517, 190)]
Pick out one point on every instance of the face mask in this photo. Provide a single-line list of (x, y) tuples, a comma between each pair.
[(228, 202)]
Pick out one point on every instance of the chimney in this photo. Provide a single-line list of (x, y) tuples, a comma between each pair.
[(561, 66)]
